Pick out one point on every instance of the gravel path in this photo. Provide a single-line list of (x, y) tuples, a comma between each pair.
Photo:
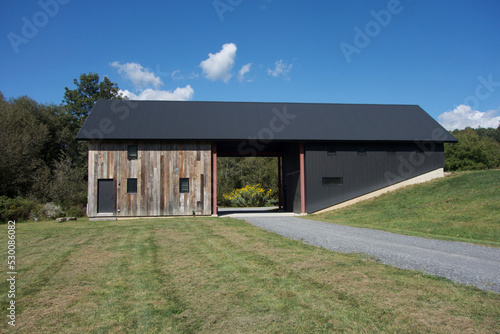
[(457, 261)]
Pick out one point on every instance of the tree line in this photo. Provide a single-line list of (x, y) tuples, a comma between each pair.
[(476, 149), (41, 161), (43, 169)]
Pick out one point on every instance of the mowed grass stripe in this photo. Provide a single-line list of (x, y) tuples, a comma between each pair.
[(223, 275), (247, 281), (349, 281), (57, 279), (140, 294), (268, 286)]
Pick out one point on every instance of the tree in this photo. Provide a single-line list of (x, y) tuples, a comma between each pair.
[(490, 133), (79, 101), (472, 151), (24, 136)]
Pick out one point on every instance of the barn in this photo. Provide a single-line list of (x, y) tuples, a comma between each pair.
[(159, 158)]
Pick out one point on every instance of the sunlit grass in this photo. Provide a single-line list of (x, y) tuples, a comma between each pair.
[(189, 275), (464, 207)]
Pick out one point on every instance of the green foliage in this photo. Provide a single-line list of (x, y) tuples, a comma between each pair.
[(68, 186), (17, 209), (493, 134), (28, 143), (476, 149), (76, 211), (249, 196), (89, 89), (237, 172), (41, 159)]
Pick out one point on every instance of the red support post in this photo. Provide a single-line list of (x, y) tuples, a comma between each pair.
[(302, 179), (280, 202), (214, 179)]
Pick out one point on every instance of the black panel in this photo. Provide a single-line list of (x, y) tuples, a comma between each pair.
[(132, 152), (184, 185), (380, 165), (105, 196), (131, 186), (291, 177)]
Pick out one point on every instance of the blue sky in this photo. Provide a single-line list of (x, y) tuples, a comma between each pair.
[(441, 55)]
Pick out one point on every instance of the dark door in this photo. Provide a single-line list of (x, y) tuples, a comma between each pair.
[(105, 196)]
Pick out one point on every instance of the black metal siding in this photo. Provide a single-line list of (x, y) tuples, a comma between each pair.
[(291, 177), (364, 173)]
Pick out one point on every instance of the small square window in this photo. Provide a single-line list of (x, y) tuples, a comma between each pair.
[(361, 151), (184, 185), (332, 181), (132, 152), (131, 186)]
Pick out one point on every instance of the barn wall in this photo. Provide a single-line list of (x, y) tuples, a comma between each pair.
[(291, 177), (379, 166), (158, 169)]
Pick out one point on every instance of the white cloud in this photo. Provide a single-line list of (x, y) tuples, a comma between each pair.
[(280, 68), (179, 94), (218, 66), (463, 116), (140, 76), (244, 70)]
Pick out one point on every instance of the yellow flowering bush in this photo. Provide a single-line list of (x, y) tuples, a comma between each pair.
[(250, 196)]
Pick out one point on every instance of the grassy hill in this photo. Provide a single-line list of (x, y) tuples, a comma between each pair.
[(464, 206)]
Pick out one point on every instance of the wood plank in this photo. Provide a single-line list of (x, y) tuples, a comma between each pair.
[(158, 169)]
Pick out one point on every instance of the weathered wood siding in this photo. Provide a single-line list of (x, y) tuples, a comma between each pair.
[(158, 169)]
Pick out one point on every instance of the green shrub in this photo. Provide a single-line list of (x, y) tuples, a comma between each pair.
[(250, 196), (17, 209), (472, 152), (75, 211)]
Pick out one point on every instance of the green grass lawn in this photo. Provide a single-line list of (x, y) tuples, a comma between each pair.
[(194, 275), (464, 206)]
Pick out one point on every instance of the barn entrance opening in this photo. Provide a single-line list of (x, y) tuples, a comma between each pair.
[(249, 184), (262, 180)]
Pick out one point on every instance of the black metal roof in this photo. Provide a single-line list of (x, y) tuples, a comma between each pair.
[(194, 120)]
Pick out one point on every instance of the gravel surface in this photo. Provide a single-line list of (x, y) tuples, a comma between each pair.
[(460, 262)]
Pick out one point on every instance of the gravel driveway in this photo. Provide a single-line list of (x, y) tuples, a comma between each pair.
[(457, 261)]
